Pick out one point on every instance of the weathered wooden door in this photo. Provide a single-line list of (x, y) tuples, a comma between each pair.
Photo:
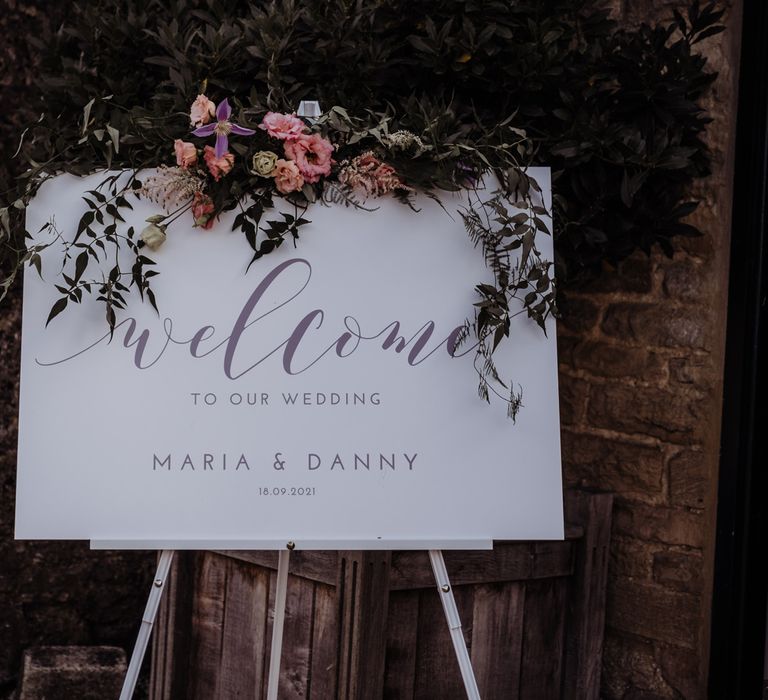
[(370, 625)]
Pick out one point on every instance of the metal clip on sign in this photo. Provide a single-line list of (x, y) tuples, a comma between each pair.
[(310, 110)]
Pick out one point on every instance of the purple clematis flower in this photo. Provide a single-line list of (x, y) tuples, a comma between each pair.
[(222, 127)]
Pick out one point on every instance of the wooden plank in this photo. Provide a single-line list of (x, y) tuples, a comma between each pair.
[(437, 670), (217, 613), (586, 604), (497, 639), (517, 561), (363, 589), (573, 531), (173, 631), (552, 559), (402, 637), (207, 623), (316, 566), (325, 630), (297, 639), (242, 660), (543, 639)]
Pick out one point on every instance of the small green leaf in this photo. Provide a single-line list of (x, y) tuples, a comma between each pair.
[(56, 309), (87, 114)]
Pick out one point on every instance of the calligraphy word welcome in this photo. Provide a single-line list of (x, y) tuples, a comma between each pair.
[(147, 352)]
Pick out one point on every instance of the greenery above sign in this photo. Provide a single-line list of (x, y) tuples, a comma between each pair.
[(432, 103)]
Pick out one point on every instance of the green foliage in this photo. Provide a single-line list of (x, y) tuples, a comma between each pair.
[(525, 276), (484, 84), (616, 113), (99, 238)]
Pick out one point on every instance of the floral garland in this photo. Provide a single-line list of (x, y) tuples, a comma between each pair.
[(332, 158), (307, 158)]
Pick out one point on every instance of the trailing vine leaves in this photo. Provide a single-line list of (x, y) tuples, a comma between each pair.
[(507, 240), (97, 244)]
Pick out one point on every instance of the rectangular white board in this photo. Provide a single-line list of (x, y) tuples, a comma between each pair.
[(97, 434)]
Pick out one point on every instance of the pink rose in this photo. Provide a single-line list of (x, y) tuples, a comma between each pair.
[(217, 166), (202, 111), (282, 126), (186, 153), (312, 153), (202, 210), (287, 176)]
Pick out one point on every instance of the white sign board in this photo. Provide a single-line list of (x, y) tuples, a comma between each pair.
[(312, 399)]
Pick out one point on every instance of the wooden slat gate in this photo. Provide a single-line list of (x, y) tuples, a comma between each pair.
[(369, 625)]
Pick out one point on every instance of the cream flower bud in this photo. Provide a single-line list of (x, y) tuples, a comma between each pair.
[(263, 163), (153, 236)]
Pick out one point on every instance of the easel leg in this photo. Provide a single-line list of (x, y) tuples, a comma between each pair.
[(278, 624), (147, 622), (454, 623)]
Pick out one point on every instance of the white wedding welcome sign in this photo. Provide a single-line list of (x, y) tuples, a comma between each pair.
[(316, 397)]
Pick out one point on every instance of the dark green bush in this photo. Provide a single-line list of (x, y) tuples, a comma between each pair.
[(616, 113)]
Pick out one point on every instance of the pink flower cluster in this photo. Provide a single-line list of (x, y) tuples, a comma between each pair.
[(186, 157), (307, 155), (201, 112), (366, 173)]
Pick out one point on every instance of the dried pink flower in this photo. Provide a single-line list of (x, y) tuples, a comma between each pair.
[(202, 210), (171, 186), (366, 173), (218, 167)]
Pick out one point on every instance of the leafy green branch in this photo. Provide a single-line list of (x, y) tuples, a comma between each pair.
[(504, 227), (97, 242)]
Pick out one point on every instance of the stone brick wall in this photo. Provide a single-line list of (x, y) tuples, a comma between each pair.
[(641, 370), (641, 356)]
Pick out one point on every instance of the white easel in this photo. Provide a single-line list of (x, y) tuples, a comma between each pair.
[(445, 591), (310, 110)]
